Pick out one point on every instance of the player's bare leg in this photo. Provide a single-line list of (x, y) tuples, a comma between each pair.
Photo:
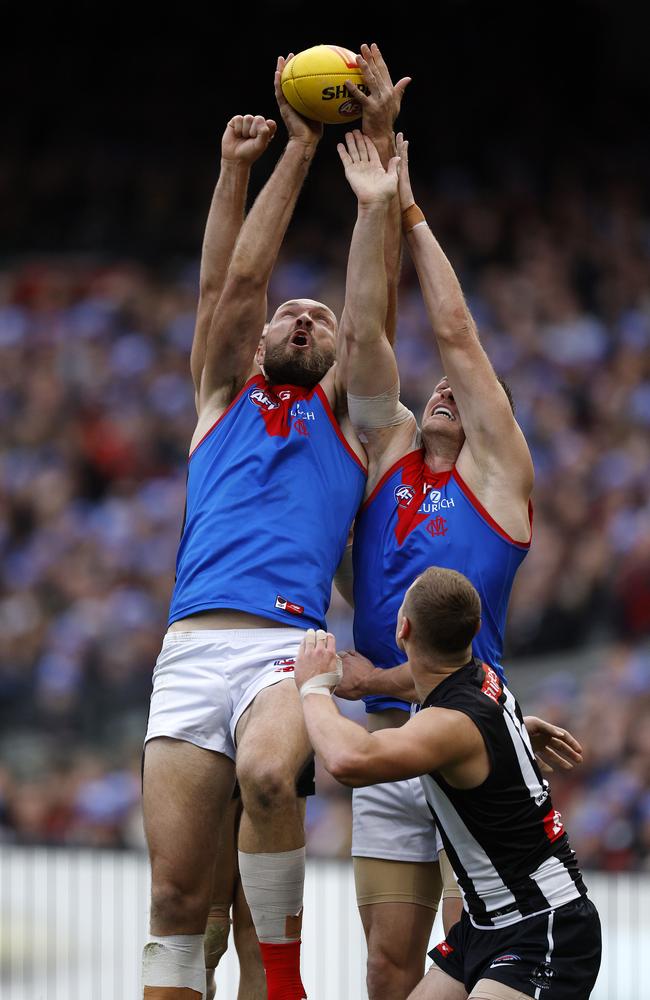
[(272, 749), (186, 794), (397, 935), (252, 979), (437, 985), (224, 875), (227, 897)]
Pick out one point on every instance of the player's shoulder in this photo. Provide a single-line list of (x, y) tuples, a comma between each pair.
[(214, 405), (388, 447)]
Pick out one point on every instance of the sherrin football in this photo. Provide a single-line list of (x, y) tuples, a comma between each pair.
[(313, 82)]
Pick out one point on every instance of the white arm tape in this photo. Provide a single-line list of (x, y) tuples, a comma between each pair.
[(323, 683), (372, 412)]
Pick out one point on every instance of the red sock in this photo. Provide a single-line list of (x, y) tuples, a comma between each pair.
[(282, 967)]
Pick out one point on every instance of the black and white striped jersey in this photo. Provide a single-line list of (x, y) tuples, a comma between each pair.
[(504, 839)]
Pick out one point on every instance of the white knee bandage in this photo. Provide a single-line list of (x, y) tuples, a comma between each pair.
[(273, 884), (176, 960)]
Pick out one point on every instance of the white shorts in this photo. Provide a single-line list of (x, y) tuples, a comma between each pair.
[(205, 680), (393, 822)]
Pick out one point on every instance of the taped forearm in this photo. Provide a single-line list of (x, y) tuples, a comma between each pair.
[(373, 412)]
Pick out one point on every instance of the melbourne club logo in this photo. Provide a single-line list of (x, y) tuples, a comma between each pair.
[(263, 400), (437, 526), (404, 495)]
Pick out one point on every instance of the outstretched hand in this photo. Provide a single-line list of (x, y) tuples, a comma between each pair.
[(406, 198), (246, 137), (381, 106), (364, 171), (553, 747), (302, 129)]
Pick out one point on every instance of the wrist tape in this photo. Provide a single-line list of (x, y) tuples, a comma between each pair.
[(323, 683), (411, 217)]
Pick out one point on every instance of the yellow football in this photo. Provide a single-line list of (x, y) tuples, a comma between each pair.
[(313, 82)]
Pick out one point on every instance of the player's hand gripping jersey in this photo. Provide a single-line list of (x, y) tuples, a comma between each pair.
[(415, 519), (272, 490)]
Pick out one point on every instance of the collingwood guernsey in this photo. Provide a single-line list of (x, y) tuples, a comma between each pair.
[(504, 839)]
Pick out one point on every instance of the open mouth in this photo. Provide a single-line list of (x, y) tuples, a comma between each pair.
[(299, 340), (443, 411)]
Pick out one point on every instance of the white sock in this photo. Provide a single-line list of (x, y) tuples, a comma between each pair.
[(273, 885), (176, 960)]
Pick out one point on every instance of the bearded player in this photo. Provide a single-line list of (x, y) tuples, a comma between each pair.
[(453, 493), (275, 477)]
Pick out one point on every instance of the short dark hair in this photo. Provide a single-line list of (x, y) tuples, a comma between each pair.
[(444, 610)]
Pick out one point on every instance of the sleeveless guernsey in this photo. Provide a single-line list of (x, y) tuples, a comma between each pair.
[(272, 490), (415, 519), (504, 839)]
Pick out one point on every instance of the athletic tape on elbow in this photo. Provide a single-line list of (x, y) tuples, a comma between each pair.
[(373, 412)]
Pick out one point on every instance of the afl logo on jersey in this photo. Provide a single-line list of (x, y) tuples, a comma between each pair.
[(263, 400), (404, 495)]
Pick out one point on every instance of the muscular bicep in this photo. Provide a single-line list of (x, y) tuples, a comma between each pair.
[(234, 334), (431, 740)]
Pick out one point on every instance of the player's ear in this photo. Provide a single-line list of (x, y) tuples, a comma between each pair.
[(403, 630), (261, 347)]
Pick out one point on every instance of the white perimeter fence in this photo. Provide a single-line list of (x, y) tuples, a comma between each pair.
[(73, 923)]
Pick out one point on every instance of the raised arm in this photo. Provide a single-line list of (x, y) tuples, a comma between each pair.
[(380, 110), (495, 446), (244, 140), (370, 360), (371, 375), (237, 324)]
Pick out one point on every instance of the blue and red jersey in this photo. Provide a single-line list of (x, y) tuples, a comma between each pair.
[(415, 519), (272, 491)]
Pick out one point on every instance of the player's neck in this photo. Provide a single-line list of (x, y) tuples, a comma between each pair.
[(431, 670), (439, 455)]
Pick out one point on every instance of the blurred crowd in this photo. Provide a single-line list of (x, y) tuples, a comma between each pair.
[(96, 413)]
